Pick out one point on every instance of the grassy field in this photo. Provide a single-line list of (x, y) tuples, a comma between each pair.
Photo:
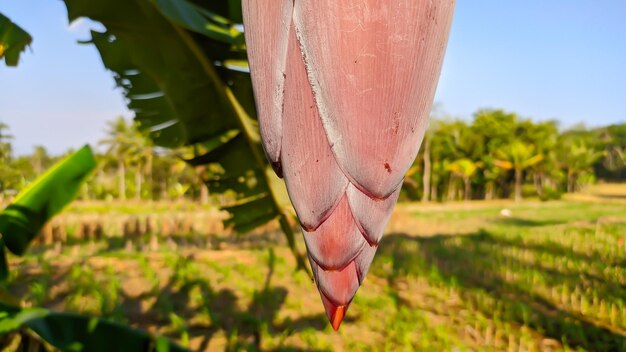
[(461, 276)]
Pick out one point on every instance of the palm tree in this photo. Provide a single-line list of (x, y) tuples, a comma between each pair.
[(518, 156), (140, 153), (464, 168), (118, 142), (436, 113), (578, 159), (492, 176), (543, 136), (5, 143), (40, 159), (459, 147), (427, 158), (426, 176)]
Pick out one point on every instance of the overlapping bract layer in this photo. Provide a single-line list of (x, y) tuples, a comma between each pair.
[(343, 91)]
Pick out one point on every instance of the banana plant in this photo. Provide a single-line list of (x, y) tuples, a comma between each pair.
[(182, 67), (13, 41), (37, 329), (344, 90), (22, 220)]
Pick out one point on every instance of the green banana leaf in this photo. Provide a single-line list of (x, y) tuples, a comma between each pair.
[(24, 218), (201, 20), (182, 67), (13, 41), (73, 332)]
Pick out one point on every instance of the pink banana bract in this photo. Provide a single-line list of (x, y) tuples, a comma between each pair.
[(343, 91)]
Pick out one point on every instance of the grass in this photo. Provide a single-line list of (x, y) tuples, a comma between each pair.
[(460, 276)]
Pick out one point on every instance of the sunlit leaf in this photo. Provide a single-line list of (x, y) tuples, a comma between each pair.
[(13, 41), (22, 220), (201, 20)]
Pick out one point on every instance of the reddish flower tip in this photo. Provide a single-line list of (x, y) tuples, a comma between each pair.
[(337, 317), (335, 313)]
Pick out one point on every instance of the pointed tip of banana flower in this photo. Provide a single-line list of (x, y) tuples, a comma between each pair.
[(337, 317), (334, 312)]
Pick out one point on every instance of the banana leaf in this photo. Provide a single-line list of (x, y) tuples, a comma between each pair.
[(73, 332), (182, 67), (13, 41), (22, 220)]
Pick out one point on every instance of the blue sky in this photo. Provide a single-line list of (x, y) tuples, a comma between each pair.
[(561, 59)]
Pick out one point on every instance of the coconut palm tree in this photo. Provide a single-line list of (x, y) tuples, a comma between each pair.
[(459, 148), (578, 159), (5, 143), (40, 159), (140, 155), (465, 169), (119, 142), (518, 156)]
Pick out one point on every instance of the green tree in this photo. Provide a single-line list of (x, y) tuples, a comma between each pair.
[(611, 139), (494, 128), (543, 136), (578, 159), (465, 169), (425, 151), (40, 159), (518, 156), (491, 175), (119, 142), (459, 148), (5, 143), (139, 154), (7, 173)]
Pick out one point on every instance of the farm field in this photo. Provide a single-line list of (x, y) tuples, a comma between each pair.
[(153, 155), (537, 276)]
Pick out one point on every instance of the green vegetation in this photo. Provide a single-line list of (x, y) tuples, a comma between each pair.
[(188, 86), (146, 246), (543, 276), (13, 41), (500, 155), (129, 167), (36, 329), (458, 161)]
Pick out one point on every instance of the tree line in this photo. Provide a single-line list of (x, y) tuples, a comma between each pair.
[(130, 167), (497, 154)]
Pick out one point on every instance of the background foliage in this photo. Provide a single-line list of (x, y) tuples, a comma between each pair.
[(13, 41), (533, 276), (467, 161)]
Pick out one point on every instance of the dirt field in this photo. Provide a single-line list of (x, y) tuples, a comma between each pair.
[(532, 276)]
